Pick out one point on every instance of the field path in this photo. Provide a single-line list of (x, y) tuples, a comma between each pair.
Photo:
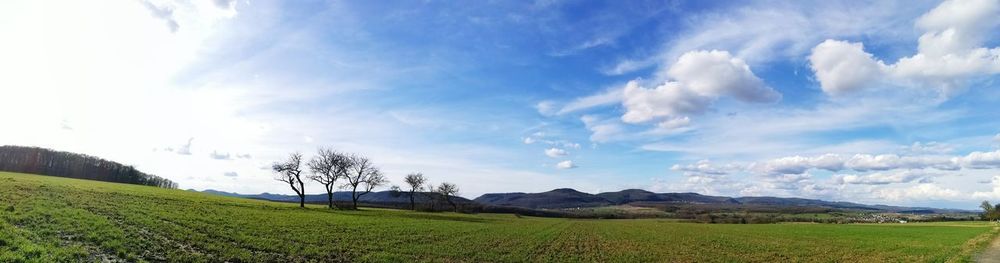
[(991, 254)]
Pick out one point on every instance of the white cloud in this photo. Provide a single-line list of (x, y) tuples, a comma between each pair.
[(701, 167), (883, 162), (857, 162), (980, 160), (949, 52), (166, 13), (231, 174), (667, 100), (799, 164), (881, 178), (767, 31), (224, 4), (220, 156), (994, 191), (528, 140), (717, 73), (843, 67), (546, 108), (186, 148), (602, 130), (699, 78), (567, 164), (555, 152), (929, 148), (608, 97), (918, 192)]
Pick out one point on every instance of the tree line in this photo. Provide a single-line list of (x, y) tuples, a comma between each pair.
[(43, 161), (356, 173)]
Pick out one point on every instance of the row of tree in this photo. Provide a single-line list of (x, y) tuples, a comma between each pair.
[(357, 173), (43, 161)]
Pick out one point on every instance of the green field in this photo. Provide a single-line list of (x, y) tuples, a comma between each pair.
[(48, 219)]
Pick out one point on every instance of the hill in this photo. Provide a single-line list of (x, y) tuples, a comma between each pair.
[(43, 161), (51, 219), (558, 198), (383, 198), (568, 198)]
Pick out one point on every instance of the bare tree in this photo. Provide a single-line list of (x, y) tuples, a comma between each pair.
[(416, 182), (327, 167), (290, 172), (363, 174), (447, 190)]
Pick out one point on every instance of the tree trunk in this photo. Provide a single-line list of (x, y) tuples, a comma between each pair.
[(302, 193), (413, 204), (329, 197), (453, 205)]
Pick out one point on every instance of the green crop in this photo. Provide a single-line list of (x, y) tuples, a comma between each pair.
[(49, 219)]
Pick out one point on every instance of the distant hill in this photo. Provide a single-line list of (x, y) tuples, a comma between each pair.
[(558, 198), (569, 198), (34, 160), (383, 197), (547, 203), (637, 195)]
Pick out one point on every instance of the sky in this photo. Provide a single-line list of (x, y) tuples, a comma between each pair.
[(879, 102)]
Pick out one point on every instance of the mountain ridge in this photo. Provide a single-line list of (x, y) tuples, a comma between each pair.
[(555, 199), (567, 198)]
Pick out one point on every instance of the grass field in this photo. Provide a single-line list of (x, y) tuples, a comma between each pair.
[(48, 219)]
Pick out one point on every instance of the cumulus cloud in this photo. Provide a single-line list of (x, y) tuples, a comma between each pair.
[(857, 162), (919, 191), (980, 160), (230, 174), (699, 78), (555, 152), (844, 67), (528, 140), (717, 73), (567, 164), (700, 167), (799, 164), (882, 178), (994, 191), (949, 52)]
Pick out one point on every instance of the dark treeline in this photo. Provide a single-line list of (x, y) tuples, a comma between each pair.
[(43, 161)]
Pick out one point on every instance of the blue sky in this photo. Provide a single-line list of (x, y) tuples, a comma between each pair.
[(889, 102)]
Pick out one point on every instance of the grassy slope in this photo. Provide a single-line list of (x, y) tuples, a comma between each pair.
[(56, 219)]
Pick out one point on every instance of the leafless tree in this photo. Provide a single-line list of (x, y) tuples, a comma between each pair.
[(447, 190), (290, 172), (364, 175), (326, 168), (416, 182)]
